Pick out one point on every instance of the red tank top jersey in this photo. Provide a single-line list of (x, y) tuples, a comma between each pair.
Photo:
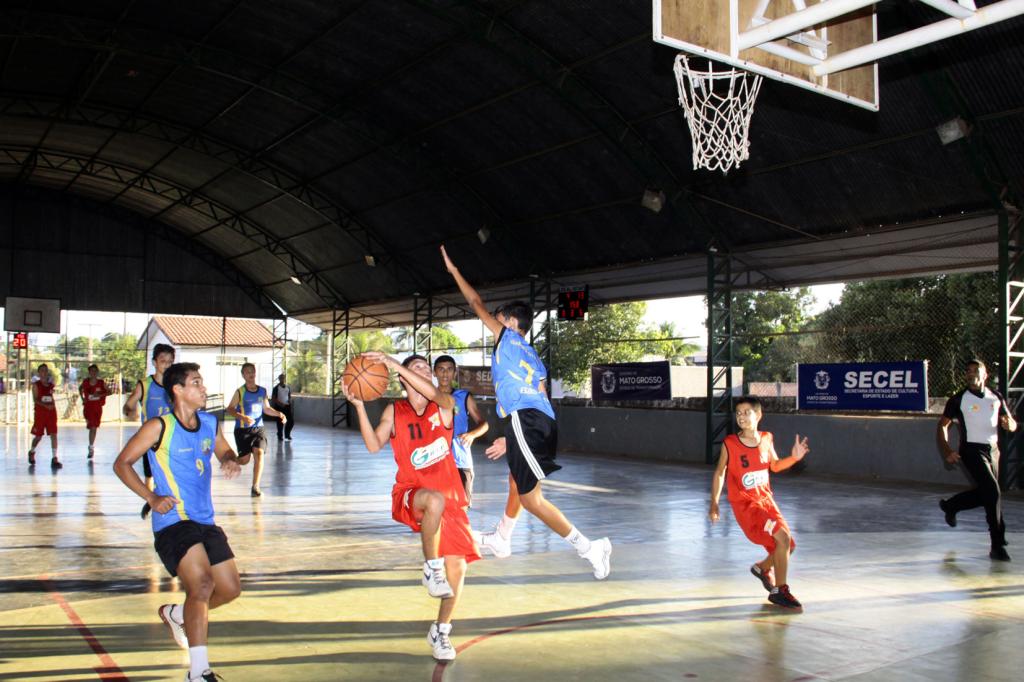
[(422, 445), (45, 392), (748, 466), (94, 395)]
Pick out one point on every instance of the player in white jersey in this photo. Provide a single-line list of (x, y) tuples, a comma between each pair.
[(980, 412)]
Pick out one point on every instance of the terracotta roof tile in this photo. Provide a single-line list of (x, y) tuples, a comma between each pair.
[(206, 331)]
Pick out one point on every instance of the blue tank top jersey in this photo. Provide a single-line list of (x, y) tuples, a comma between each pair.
[(517, 371), (462, 454), (154, 401), (251, 404), (181, 469)]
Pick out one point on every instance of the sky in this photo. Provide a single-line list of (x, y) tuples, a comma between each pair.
[(687, 313)]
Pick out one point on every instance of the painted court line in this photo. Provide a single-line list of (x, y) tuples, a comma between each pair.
[(108, 669)]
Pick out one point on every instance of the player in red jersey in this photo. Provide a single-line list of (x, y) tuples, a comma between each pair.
[(428, 495), (45, 416), (94, 394), (747, 457)]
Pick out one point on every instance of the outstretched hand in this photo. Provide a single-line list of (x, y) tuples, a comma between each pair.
[(800, 448), (496, 450), (448, 264), (377, 357)]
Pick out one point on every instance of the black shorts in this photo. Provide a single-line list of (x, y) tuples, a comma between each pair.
[(531, 439), (173, 542), (247, 440)]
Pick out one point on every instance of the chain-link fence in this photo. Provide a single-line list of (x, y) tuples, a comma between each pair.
[(944, 320)]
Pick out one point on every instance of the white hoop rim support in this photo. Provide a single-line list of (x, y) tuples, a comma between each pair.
[(718, 106)]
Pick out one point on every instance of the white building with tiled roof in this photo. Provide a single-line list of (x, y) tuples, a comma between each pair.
[(219, 345)]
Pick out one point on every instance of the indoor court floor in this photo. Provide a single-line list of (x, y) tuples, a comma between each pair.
[(331, 586)]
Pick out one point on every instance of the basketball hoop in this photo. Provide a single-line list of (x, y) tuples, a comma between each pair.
[(718, 106)]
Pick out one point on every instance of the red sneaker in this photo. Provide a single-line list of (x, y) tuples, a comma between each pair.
[(767, 578), (784, 598)]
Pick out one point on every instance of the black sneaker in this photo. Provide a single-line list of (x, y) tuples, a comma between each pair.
[(764, 576), (950, 515), (208, 676), (56, 464), (255, 492), (999, 554), (145, 510), (31, 457), (784, 598)]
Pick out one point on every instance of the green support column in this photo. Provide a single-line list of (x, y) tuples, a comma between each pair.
[(719, 357)]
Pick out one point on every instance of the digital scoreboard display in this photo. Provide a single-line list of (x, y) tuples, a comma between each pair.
[(20, 340), (573, 302)]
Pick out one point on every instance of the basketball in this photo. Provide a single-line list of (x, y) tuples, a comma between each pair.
[(364, 379)]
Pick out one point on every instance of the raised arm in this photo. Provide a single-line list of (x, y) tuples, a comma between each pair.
[(796, 453), (374, 438), (471, 296), (421, 385)]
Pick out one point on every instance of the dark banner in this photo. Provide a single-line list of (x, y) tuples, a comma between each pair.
[(631, 381), (476, 380), (863, 386)]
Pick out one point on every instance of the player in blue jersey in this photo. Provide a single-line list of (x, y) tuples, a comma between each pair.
[(149, 394), (465, 409), (531, 434), (248, 405), (181, 445)]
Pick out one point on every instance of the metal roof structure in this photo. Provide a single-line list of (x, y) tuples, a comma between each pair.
[(303, 141)]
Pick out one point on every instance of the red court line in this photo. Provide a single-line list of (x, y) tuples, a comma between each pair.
[(108, 670)]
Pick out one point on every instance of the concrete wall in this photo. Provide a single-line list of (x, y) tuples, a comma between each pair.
[(882, 447)]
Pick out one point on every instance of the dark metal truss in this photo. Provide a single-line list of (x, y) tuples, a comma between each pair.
[(122, 175)]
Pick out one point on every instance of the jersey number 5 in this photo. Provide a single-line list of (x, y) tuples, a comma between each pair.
[(744, 461)]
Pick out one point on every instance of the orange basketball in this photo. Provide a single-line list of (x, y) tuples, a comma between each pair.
[(364, 379)]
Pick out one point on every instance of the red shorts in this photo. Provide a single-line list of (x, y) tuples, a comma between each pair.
[(760, 519), (45, 422), (93, 412), (456, 539)]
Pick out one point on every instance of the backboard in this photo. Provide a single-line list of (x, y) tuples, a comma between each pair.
[(758, 36), (32, 315)]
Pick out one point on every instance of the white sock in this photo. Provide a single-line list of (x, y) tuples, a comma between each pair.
[(436, 564), (199, 661), (178, 614), (445, 628), (506, 526), (578, 540)]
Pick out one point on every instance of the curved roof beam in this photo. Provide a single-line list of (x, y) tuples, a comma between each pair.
[(123, 175), (282, 86)]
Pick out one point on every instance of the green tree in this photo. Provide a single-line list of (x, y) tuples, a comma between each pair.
[(611, 333), (759, 320), (665, 342), (117, 352), (946, 320)]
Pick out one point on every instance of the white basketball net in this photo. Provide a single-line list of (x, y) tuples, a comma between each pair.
[(718, 106)]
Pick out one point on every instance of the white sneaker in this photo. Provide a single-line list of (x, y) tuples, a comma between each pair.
[(177, 629), (437, 637), (600, 557), (436, 581), (498, 545)]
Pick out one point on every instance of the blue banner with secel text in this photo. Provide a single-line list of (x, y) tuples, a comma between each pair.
[(863, 386)]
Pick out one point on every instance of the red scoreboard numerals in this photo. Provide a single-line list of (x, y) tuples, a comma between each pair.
[(20, 340), (573, 302)]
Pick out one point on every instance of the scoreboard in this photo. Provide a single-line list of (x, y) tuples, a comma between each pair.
[(573, 302), (19, 340)]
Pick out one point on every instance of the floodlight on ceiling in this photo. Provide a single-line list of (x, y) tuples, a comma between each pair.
[(953, 130), (295, 279), (653, 200), (370, 260), (483, 234)]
